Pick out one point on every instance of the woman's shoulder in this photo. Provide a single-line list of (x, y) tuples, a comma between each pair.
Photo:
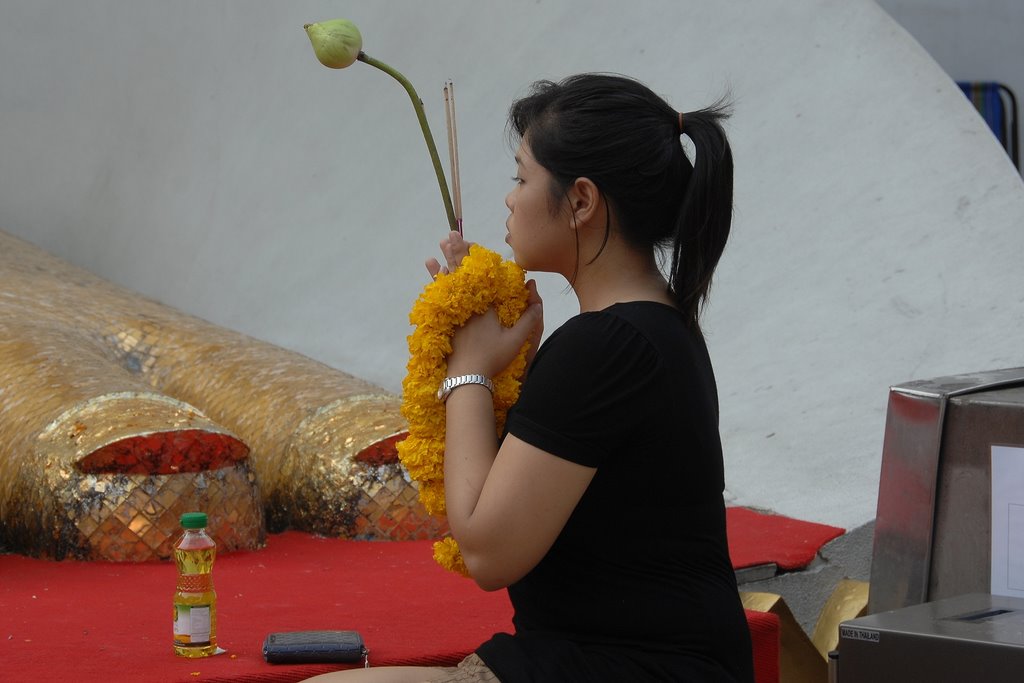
[(610, 334), (640, 311), (636, 328), (632, 313), (651, 320), (608, 324)]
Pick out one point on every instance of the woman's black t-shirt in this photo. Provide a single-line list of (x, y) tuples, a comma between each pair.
[(639, 585)]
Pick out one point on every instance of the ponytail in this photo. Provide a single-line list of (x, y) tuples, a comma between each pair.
[(705, 214)]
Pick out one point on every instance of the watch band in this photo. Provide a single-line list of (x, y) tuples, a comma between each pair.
[(451, 383)]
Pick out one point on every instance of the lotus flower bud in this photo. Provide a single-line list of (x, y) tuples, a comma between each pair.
[(337, 43)]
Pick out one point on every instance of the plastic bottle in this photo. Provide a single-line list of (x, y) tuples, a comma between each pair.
[(195, 601)]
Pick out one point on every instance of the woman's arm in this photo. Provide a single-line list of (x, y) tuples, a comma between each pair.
[(505, 507)]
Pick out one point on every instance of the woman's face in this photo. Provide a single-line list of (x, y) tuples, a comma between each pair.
[(539, 229)]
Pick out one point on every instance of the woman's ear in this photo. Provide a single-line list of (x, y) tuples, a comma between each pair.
[(584, 198)]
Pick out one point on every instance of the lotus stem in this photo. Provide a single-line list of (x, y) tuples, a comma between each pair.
[(417, 104)]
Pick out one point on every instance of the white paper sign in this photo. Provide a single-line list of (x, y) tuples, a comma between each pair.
[(1008, 521)]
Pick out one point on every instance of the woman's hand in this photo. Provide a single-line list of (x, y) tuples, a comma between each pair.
[(483, 345), (454, 248)]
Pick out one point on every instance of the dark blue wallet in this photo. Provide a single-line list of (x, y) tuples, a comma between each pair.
[(313, 647)]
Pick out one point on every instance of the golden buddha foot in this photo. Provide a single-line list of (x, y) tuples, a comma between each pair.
[(118, 413)]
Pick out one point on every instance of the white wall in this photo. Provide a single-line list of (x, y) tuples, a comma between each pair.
[(197, 152)]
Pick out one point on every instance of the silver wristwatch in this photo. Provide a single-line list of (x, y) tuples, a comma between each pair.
[(450, 383)]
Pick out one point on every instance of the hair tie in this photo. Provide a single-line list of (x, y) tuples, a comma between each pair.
[(680, 123)]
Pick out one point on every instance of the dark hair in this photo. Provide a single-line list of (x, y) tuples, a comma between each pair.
[(619, 134)]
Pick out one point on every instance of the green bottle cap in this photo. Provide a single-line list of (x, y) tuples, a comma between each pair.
[(193, 520)]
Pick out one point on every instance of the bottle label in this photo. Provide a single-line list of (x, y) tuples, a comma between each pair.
[(191, 624)]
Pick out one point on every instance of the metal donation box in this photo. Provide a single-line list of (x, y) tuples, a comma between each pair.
[(933, 528), (968, 638)]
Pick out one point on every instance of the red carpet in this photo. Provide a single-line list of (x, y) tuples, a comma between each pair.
[(114, 620), (756, 538), (88, 621)]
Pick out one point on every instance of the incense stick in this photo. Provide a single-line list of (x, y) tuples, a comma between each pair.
[(453, 150)]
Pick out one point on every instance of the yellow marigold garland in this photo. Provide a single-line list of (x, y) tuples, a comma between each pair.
[(482, 281)]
